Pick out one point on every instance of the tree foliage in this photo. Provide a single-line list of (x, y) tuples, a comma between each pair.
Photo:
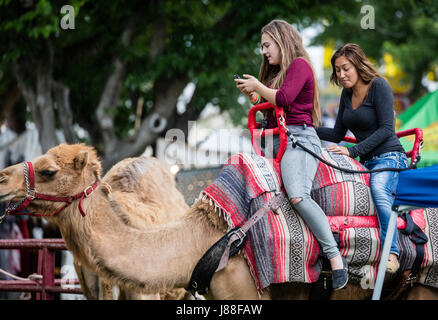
[(119, 73), (406, 29)]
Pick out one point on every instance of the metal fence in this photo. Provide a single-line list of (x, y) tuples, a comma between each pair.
[(47, 286)]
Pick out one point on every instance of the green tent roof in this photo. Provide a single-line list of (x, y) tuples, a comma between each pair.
[(421, 114)]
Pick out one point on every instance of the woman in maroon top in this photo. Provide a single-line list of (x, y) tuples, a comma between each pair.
[(288, 81)]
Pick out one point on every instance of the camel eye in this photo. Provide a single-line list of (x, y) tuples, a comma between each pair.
[(47, 173)]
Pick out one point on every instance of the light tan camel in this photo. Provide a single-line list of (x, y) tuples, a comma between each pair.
[(142, 206), (154, 260)]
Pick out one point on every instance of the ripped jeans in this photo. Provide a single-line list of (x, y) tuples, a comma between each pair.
[(298, 169), (383, 185)]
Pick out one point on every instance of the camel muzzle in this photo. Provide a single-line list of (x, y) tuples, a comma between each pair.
[(15, 208)]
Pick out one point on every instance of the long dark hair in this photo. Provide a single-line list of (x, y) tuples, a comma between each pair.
[(365, 69)]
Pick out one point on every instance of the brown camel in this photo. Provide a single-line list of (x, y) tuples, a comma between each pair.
[(154, 260)]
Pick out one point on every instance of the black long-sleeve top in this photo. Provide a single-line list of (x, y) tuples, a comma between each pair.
[(372, 123)]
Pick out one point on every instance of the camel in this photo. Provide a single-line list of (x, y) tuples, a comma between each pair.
[(156, 259), (142, 203)]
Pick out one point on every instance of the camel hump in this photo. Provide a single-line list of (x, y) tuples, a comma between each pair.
[(131, 174)]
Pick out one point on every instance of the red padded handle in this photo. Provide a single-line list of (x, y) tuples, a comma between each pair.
[(257, 133), (417, 143)]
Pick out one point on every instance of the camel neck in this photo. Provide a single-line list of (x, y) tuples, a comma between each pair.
[(161, 257)]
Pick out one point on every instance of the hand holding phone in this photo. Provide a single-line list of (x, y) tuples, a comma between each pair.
[(253, 96)]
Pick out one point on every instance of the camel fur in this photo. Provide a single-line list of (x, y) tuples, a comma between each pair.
[(140, 203), (155, 259)]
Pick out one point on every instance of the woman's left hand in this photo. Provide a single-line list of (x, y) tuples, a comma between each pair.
[(249, 84), (338, 149)]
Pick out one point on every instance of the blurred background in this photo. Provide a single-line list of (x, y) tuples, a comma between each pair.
[(120, 75), (156, 77)]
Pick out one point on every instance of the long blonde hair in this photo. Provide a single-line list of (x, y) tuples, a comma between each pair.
[(291, 47)]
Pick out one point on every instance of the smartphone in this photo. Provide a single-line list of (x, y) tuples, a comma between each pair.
[(236, 76)]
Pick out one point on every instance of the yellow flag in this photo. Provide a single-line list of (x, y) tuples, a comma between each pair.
[(394, 74), (329, 49)]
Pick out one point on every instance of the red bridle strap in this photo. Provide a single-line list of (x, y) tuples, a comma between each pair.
[(31, 194)]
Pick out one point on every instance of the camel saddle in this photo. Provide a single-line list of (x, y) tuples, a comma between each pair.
[(282, 247), (216, 258)]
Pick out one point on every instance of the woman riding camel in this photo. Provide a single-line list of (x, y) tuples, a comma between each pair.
[(287, 80), (366, 109)]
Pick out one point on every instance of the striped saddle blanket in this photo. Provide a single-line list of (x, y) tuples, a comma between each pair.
[(281, 248)]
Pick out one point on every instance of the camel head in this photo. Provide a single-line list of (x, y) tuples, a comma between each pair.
[(63, 171)]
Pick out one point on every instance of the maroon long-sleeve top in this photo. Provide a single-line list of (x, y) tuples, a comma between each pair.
[(296, 95)]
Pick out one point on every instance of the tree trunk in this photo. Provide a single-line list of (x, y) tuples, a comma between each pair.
[(43, 112), (418, 90), (193, 110), (39, 97), (11, 97), (39, 101), (61, 94), (167, 93)]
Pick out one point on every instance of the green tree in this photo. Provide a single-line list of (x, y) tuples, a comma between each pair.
[(408, 30), (120, 72)]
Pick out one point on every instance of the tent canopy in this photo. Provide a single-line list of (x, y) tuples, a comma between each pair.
[(422, 114), (418, 187)]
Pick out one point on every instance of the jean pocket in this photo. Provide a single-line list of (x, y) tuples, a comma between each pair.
[(311, 146), (317, 148), (393, 157), (381, 163), (403, 161)]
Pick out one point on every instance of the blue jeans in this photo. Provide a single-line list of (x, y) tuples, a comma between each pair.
[(383, 185)]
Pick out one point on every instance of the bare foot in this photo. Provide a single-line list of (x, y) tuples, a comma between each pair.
[(336, 262)]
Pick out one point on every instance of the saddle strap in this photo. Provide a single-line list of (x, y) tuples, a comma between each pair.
[(207, 265), (419, 238), (272, 204), (216, 257)]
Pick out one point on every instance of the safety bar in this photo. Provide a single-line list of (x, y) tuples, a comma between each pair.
[(418, 143), (257, 132)]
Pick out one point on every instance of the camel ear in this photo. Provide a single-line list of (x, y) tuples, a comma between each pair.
[(81, 160)]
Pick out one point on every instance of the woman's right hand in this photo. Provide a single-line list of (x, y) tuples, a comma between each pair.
[(238, 82), (253, 96), (338, 149)]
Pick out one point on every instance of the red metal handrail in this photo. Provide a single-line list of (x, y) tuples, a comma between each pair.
[(256, 132), (48, 286), (413, 154)]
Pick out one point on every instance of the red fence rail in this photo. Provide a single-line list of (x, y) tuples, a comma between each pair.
[(48, 286)]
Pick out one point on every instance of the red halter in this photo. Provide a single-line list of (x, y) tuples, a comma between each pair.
[(31, 194)]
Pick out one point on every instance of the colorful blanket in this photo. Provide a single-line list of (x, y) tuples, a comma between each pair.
[(281, 248)]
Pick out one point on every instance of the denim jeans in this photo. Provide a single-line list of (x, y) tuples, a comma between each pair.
[(298, 169), (383, 185)]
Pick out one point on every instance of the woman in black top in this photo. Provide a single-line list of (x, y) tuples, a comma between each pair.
[(366, 109)]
